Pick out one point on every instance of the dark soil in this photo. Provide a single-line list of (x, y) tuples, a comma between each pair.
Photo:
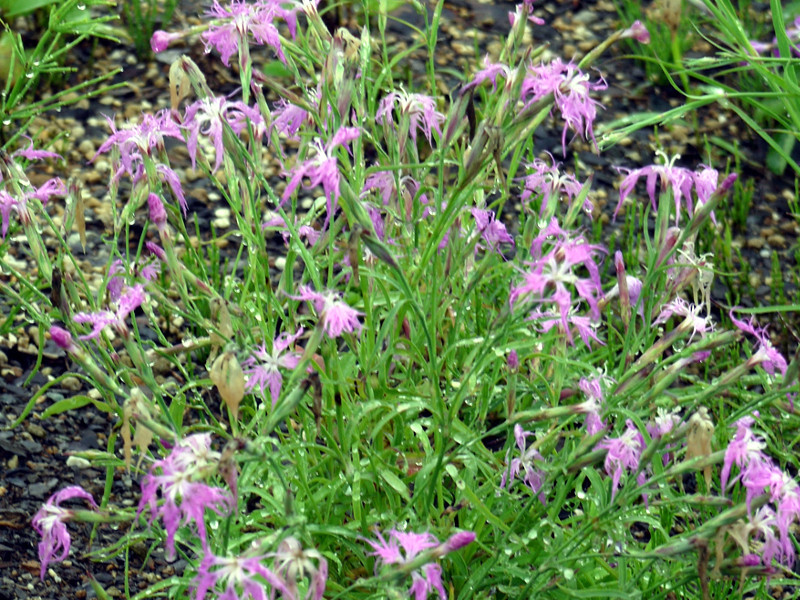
[(35, 456)]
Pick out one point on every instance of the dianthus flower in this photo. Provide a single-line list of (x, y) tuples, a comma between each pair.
[(533, 477), (593, 390), (570, 88), (765, 355), (19, 205), (184, 495), (678, 180), (428, 577), (623, 454), (129, 300), (546, 180), (322, 168), (744, 447), (242, 576), (293, 563), (690, 313), (552, 271), (50, 521), (263, 367), (491, 230), (491, 71), (241, 18), (336, 316), (419, 108), (208, 116)]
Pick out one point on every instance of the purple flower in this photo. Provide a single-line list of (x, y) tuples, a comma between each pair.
[(570, 88), (546, 180), (402, 548), (30, 154), (263, 368), (208, 116), (490, 71), (62, 338), (623, 454), (419, 108), (242, 576), (128, 301), (679, 180), (322, 168), (158, 214), (744, 447), (533, 477), (50, 521), (593, 390), (51, 187), (491, 230), (551, 273), (135, 141), (765, 355), (184, 495), (336, 316), (239, 19)]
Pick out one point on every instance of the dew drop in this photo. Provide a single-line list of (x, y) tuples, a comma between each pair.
[(81, 6), (36, 63), (29, 75), (6, 121)]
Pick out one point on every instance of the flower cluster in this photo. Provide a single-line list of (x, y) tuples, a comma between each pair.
[(759, 474), (184, 495), (679, 180), (552, 271)]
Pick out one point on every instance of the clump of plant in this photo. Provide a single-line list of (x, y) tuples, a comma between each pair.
[(420, 401)]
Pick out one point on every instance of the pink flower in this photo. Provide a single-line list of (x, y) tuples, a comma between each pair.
[(402, 548), (492, 231), (546, 180), (241, 18), (322, 169), (50, 521), (208, 116), (491, 71), (678, 180), (184, 495), (570, 88), (418, 108), (623, 454), (744, 447), (336, 316), (593, 405), (263, 368), (129, 301), (533, 477), (242, 576), (765, 355), (552, 271), (62, 338)]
